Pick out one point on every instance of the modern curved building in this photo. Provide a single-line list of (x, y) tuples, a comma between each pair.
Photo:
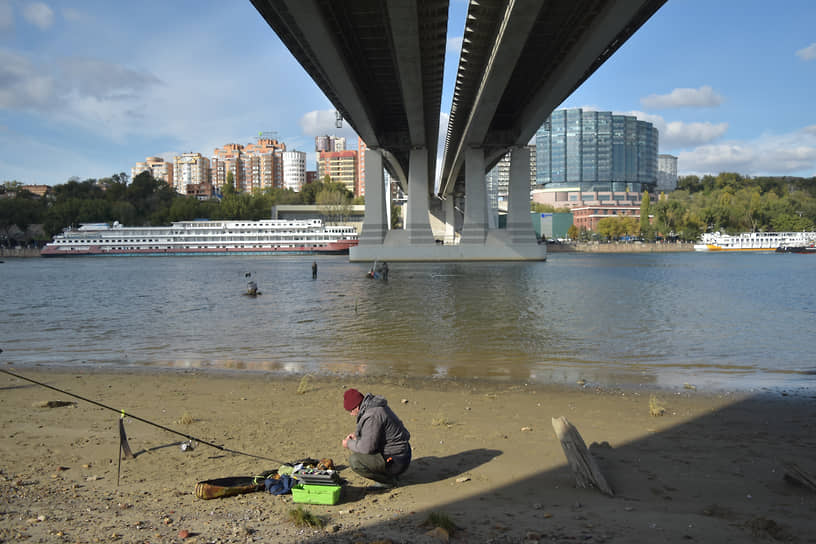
[(596, 151)]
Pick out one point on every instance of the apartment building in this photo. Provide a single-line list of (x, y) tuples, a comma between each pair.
[(294, 169), (158, 168), (190, 169), (340, 167)]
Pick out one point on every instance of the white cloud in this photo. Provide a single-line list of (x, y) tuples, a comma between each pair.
[(807, 53), (96, 95), (454, 45), (680, 134), (39, 15), (320, 122), (21, 85), (103, 80), (703, 97), (6, 16), (793, 154), (73, 15)]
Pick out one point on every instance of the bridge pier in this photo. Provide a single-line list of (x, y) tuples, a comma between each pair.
[(478, 242), (418, 225), (375, 222), (519, 225), (474, 229)]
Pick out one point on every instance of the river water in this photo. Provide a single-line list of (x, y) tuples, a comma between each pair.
[(715, 321)]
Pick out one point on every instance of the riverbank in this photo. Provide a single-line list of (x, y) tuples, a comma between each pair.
[(620, 247), (19, 252), (582, 247), (710, 469)]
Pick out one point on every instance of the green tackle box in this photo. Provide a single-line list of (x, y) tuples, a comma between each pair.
[(316, 494)]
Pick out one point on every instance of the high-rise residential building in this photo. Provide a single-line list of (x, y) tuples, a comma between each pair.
[(532, 149), (323, 143), (265, 157), (666, 173), (588, 156), (294, 169), (158, 168), (359, 188), (255, 166), (340, 166), (225, 161), (329, 143), (190, 169)]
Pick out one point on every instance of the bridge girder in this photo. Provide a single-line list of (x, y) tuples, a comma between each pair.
[(380, 63), (519, 61)]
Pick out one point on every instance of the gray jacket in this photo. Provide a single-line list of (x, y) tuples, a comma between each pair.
[(379, 430)]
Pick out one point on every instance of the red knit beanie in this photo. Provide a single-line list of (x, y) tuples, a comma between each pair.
[(352, 399)]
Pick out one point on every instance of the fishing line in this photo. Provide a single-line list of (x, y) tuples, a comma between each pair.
[(143, 420)]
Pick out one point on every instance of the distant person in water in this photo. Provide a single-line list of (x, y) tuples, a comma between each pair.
[(379, 448), (314, 269)]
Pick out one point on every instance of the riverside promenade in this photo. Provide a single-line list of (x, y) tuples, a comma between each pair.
[(620, 247), (580, 247), (19, 252)]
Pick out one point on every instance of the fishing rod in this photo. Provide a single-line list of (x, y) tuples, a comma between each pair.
[(143, 420)]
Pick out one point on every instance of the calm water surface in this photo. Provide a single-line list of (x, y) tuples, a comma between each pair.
[(712, 320)]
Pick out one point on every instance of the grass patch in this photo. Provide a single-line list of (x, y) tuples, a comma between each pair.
[(441, 421), (303, 518), (441, 520), (186, 418), (656, 408), (305, 385)]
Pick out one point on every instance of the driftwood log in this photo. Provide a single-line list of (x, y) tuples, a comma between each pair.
[(587, 473), (797, 476)]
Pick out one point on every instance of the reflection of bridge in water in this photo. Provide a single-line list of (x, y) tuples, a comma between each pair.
[(381, 62)]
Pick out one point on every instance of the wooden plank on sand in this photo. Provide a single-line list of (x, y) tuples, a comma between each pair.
[(587, 473), (796, 475)]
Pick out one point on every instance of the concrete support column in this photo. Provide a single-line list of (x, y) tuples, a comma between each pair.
[(450, 220), (418, 225), (474, 229), (375, 223), (519, 225)]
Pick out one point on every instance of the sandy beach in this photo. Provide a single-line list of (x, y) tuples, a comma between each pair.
[(710, 469)]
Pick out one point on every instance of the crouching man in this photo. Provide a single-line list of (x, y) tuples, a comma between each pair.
[(379, 448)]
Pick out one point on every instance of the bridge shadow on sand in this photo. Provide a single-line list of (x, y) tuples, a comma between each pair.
[(716, 478)]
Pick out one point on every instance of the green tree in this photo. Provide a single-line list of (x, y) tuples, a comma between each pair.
[(333, 204), (17, 214), (644, 213), (573, 232)]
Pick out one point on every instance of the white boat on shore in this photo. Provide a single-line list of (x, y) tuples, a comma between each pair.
[(753, 241), (203, 237)]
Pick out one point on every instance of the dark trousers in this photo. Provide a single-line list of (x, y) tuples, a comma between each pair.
[(374, 467)]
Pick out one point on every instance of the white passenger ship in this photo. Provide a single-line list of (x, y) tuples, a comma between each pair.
[(754, 241), (264, 237)]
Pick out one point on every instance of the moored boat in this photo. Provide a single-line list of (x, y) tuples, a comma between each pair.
[(754, 241), (203, 237), (809, 250)]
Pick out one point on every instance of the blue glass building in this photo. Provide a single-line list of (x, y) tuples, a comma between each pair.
[(594, 151)]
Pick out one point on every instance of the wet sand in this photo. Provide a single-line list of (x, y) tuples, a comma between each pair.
[(710, 469)]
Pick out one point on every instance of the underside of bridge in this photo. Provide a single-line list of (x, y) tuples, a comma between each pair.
[(380, 62)]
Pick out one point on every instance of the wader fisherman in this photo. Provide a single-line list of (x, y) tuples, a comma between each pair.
[(379, 448)]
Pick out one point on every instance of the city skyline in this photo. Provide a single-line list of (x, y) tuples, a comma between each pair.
[(727, 86)]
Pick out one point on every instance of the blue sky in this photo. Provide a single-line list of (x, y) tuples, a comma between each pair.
[(89, 88)]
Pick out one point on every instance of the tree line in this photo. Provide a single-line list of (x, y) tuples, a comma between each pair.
[(145, 201), (727, 202)]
